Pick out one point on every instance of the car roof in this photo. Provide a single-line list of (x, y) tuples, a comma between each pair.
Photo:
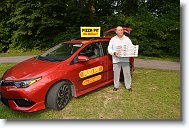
[(86, 41)]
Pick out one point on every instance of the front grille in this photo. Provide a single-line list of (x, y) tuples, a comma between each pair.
[(19, 102), (24, 102), (7, 83)]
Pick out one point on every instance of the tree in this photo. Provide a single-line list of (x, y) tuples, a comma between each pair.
[(6, 7), (29, 24)]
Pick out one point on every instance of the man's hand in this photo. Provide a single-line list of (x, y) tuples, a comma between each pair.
[(116, 54)]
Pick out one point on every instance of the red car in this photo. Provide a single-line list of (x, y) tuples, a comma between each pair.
[(72, 68)]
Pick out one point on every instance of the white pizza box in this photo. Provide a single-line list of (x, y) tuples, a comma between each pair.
[(127, 50)]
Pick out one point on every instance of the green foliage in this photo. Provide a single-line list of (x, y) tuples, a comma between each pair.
[(6, 7), (39, 24), (162, 32), (35, 24), (71, 33)]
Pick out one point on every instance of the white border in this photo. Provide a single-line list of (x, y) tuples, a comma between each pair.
[(133, 124)]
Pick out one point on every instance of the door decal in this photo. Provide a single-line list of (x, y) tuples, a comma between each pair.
[(91, 71), (91, 80)]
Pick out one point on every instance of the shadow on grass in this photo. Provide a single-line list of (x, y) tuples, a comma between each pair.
[(94, 91), (8, 113)]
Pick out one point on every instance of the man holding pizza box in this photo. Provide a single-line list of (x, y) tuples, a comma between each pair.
[(116, 48)]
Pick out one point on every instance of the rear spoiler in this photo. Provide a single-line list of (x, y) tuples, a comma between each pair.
[(126, 30)]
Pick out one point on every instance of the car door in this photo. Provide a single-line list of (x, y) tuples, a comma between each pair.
[(90, 73), (107, 61)]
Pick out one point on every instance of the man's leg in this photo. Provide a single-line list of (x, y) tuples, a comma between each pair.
[(116, 69), (127, 74)]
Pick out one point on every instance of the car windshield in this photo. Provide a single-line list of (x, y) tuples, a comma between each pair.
[(60, 52)]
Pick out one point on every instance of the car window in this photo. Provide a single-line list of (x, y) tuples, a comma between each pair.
[(105, 48), (60, 52), (91, 51)]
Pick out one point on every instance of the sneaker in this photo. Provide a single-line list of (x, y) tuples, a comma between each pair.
[(115, 89)]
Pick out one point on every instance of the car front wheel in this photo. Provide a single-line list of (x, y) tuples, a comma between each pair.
[(59, 95)]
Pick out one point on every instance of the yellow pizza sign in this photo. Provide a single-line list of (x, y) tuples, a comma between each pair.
[(90, 31), (90, 71)]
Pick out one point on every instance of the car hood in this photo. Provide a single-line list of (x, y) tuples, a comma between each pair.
[(29, 69)]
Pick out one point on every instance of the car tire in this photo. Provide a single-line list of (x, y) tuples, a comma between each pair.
[(59, 95)]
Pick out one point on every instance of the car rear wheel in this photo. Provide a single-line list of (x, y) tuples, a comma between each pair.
[(59, 95)]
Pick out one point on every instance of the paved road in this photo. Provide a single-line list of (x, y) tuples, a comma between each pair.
[(143, 63)]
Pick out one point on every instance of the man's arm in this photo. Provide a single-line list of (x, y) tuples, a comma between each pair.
[(110, 48), (111, 51)]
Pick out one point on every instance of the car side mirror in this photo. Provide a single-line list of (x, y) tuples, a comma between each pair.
[(82, 58)]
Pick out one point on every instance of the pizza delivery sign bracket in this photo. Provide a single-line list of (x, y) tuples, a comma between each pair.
[(90, 31)]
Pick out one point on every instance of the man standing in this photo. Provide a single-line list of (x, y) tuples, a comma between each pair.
[(120, 62)]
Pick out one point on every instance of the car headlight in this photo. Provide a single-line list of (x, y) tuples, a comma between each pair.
[(26, 83)]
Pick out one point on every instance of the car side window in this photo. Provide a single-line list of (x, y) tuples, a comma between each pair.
[(105, 47), (91, 51)]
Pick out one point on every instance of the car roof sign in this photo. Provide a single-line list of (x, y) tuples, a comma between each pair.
[(90, 31)]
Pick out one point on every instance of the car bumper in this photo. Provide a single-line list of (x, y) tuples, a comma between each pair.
[(23, 100)]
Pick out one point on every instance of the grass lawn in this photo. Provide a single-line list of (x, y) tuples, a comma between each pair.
[(4, 67), (20, 53), (174, 59), (156, 95)]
